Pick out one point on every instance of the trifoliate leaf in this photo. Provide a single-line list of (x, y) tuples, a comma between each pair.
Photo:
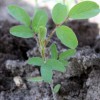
[(22, 31), (40, 19), (56, 88), (19, 14), (54, 52), (59, 13), (35, 61), (84, 10), (67, 36)]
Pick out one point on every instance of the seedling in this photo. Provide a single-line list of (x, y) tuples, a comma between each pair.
[(36, 28)]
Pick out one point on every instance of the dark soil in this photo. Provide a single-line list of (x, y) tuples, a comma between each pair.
[(11, 48), (81, 80)]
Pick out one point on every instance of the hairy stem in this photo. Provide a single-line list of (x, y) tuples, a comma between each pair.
[(51, 34), (41, 46)]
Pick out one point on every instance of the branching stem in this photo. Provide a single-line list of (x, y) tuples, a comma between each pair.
[(52, 33), (42, 51)]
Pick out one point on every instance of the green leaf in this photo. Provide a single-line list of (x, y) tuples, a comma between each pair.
[(64, 62), (67, 54), (48, 66), (84, 10), (54, 52), (35, 61), (42, 33), (35, 79), (19, 14), (55, 65), (57, 88), (46, 69), (67, 36), (22, 31), (59, 13), (40, 19), (46, 73)]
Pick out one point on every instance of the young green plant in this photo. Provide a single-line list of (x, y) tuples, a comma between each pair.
[(36, 28)]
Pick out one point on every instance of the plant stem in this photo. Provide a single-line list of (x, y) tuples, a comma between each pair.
[(36, 40), (52, 33), (41, 46), (53, 94)]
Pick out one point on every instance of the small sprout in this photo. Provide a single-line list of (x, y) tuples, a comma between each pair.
[(57, 88), (52, 60)]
